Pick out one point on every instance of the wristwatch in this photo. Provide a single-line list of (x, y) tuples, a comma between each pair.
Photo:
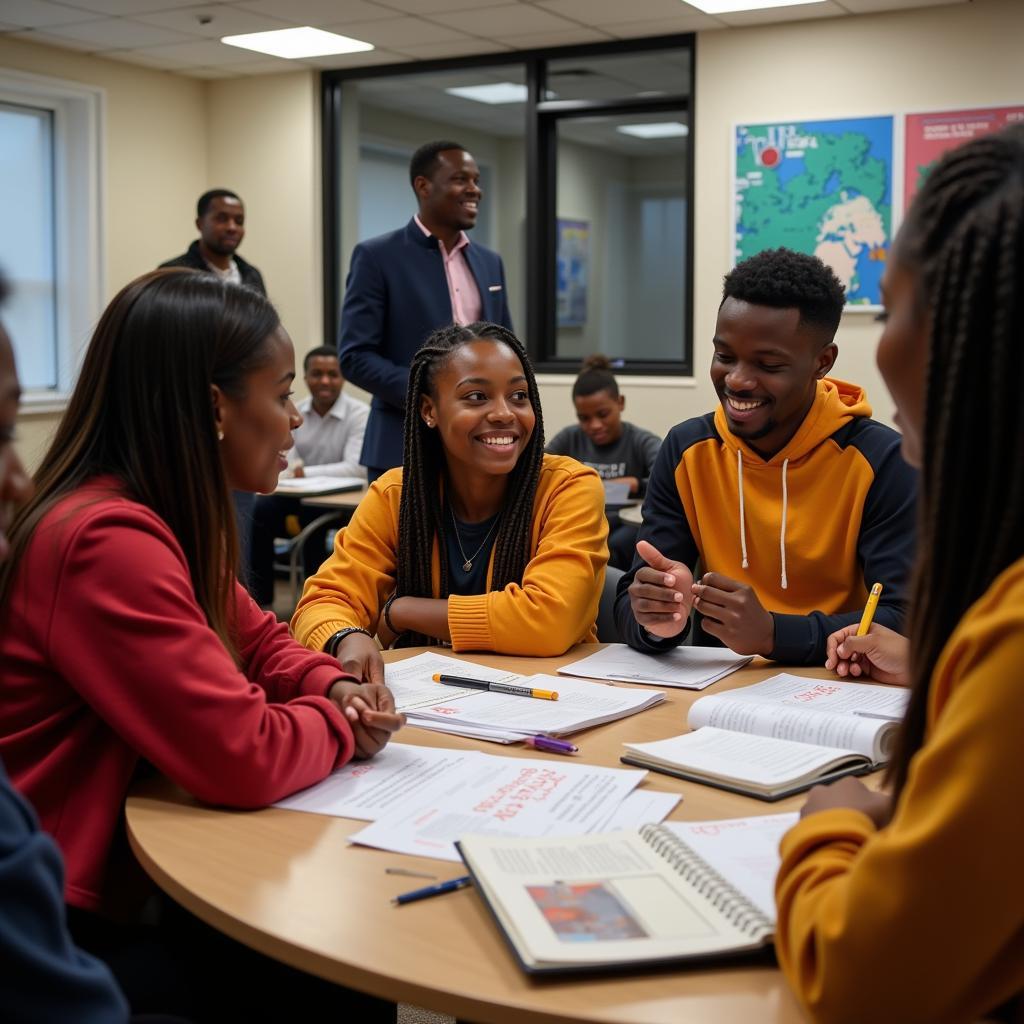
[(334, 640)]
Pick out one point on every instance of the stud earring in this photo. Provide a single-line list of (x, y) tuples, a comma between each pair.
[(220, 435), (430, 423)]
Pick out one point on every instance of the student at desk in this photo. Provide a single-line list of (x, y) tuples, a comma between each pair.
[(126, 640), (620, 452), (481, 540), (911, 908), (795, 500), (327, 443)]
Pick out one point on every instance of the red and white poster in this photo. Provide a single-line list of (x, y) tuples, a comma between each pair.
[(928, 136)]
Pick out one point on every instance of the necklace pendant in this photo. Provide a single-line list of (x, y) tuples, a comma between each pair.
[(467, 566)]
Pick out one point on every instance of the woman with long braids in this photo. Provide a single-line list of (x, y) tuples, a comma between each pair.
[(480, 540), (911, 907)]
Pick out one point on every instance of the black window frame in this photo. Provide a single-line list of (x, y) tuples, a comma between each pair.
[(540, 136)]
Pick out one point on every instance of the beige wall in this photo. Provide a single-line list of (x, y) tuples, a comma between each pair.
[(263, 141), (956, 56), (154, 165), (169, 137)]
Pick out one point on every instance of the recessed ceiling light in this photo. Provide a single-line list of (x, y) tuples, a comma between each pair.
[(655, 130), (735, 6), (297, 42), (497, 92)]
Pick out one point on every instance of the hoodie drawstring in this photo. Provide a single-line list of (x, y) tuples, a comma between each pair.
[(782, 529), (743, 517)]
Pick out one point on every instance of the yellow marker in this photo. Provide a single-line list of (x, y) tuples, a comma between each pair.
[(484, 684), (869, 610)]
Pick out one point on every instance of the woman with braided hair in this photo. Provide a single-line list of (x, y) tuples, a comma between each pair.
[(480, 540), (910, 907)]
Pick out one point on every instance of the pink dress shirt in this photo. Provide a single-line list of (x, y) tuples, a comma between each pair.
[(467, 306)]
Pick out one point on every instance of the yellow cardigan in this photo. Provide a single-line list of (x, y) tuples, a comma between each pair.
[(923, 921), (554, 608)]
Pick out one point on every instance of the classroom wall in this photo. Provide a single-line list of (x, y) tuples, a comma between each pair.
[(168, 136), (955, 56), (154, 165), (263, 141)]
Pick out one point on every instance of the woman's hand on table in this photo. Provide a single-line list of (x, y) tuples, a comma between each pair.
[(360, 657), (853, 794), (370, 709)]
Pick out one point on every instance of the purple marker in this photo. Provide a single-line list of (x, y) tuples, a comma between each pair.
[(551, 745)]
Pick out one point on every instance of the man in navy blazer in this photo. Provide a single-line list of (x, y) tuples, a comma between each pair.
[(403, 285)]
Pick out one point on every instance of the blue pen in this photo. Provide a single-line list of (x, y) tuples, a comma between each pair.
[(432, 890)]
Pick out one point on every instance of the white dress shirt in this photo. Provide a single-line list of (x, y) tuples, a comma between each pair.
[(330, 445)]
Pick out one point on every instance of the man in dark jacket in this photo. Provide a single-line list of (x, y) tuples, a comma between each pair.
[(405, 284), (221, 223)]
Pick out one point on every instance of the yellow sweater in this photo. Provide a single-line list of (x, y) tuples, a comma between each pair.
[(924, 919), (554, 608)]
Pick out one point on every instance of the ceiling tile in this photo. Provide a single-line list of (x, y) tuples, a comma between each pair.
[(401, 32), (496, 22), (873, 6), (682, 22), (222, 21), (538, 40), (146, 59), (126, 7), (268, 65), (40, 14), (340, 61), (611, 12), (437, 51), (119, 34), (207, 73), (424, 8), (203, 53), (801, 12), (319, 13), (34, 35)]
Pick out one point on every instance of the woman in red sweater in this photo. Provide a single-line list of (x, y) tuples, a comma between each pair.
[(125, 638)]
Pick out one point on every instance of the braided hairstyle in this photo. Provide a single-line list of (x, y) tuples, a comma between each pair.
[(421, 513), (964, 240)]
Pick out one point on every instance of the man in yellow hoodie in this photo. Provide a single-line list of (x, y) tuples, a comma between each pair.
[(792, 497)]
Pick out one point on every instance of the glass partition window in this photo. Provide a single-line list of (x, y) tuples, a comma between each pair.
[(386, 119), (586, 160), (620, 237)]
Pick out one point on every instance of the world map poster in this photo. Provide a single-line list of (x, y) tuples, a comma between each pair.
[(819, 187), (928, 136)]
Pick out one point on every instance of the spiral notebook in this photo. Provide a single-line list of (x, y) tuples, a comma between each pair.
[(665, 894)]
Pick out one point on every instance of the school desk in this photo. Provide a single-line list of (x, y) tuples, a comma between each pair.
[(346, 499), (287, 884), (632, 514)]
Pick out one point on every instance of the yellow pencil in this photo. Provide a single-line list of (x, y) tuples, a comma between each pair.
[(869, 610)]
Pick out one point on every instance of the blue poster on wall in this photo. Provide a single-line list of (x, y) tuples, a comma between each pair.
[(573, 257), (820, 187)]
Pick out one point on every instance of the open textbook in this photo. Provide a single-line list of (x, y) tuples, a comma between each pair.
[(781, 736), (688, 668), (502, 717), (667, 893)]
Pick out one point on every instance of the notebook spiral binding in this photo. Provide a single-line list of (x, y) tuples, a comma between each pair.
[(730, 902)]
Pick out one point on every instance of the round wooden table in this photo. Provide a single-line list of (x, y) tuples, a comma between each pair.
[(288, 884)]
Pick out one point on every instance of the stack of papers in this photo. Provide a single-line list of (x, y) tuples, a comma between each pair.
[(307, 486), (501, 717), (688, 668), (421, 800)]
